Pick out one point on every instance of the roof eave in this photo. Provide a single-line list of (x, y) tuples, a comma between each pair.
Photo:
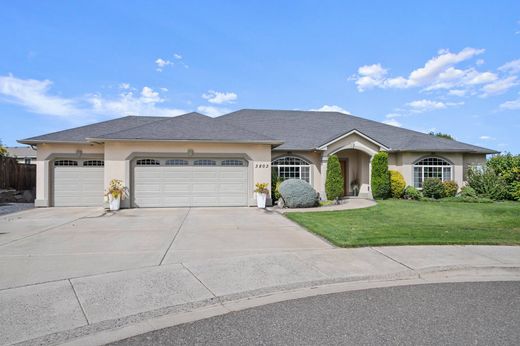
[(41, 141), (465, 151), (101, 140), (348, 133)]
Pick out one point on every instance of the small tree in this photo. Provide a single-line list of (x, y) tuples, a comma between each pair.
[(380, 175), (334, 182), (397, 184)]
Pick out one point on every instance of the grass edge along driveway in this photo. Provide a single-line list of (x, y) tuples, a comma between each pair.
[(401, 222)]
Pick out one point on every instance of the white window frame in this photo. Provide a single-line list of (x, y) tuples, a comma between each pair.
[(443, 177), (299, 167)]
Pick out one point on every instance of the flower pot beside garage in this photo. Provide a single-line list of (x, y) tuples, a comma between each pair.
[(261, 191), (115, 193)]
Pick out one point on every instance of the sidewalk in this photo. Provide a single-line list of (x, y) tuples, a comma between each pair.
[(125, 302)]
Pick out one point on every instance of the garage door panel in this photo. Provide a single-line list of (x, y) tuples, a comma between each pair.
[(78, 186), (190, 186)]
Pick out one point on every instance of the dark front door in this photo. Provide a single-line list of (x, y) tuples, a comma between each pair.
[(344, 172)]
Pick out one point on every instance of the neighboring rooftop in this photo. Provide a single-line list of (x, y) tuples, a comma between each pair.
[(294, 130), (21, 152)]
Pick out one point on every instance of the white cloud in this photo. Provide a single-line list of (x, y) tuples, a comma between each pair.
[(457, 92), (420, 106), (369, 76), (177, 56), (500, 86), (218, 98), (393, 115), (487, 138), (162, 63), (124, 86), (34, 95), (212, 111), (441, 73), (511, 105), (146, 103), (392, 122), (511, 67), (331, 108)]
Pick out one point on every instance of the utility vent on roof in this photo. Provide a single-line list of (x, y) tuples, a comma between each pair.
[(65, 163), (147, 162)]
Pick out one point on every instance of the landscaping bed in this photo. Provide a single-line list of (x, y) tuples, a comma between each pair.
[(403, 222)]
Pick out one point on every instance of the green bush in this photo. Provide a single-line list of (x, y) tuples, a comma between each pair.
[(487, 183), (507, 166), (380, 176), (412, 193), (433, 188), (297, 193), (334, 182), (468, 191), (450, 188), (397, 184)]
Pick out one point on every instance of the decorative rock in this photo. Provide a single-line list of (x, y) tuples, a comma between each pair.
[(298, 193)]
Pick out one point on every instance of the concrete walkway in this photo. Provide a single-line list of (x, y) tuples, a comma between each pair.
[(96, 309), (345, 204)]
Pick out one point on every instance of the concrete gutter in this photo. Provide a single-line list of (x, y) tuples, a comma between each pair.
[(108, 307)]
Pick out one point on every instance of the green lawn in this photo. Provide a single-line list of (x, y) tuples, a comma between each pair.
[(400, 222)]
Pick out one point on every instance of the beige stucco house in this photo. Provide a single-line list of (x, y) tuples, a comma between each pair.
[(195, 160)]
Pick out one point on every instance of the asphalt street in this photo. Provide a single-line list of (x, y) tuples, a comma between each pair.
[(485, 313)]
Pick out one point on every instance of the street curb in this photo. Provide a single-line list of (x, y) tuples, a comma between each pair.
[(113, 330)]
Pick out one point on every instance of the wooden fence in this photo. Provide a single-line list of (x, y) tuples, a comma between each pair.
[(14, 175)]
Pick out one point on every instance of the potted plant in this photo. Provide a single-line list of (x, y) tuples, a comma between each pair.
[(354, 185), (115, 193), (261, 194)]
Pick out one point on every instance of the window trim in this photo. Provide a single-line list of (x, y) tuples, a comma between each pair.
[(416, 164), (305, 164), (61, 163)]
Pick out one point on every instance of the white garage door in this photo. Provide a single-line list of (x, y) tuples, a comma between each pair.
[(78, 183), (190, 182)]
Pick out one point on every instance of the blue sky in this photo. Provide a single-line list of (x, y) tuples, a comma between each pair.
[(450, 66)]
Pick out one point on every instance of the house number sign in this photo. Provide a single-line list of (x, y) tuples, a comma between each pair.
[(262, 165)]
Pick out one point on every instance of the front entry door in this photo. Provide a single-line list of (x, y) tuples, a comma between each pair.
[(344, 173)]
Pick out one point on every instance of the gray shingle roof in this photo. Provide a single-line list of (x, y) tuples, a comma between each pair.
[(191, 126), (306, 130), (21, 151), (296, 130), (79, 134)]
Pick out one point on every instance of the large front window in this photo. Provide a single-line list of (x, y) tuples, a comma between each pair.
[(431, 167), (290, 167)]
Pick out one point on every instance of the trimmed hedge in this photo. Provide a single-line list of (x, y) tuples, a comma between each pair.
[(433, 188), (450, 188), (334, 182), (380, 176), (397, 184)]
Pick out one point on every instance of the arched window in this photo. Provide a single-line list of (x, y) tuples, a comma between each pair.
[(290, 167), (431, 167)]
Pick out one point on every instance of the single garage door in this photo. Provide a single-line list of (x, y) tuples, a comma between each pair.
[(179, 182), (78, 183)]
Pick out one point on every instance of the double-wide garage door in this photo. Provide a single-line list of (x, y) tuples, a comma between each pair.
[(179, 182), (78, 183)]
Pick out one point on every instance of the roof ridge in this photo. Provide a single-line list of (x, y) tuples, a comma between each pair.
[(151, 122)]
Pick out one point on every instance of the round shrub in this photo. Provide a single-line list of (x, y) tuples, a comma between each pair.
[(468, 192), (334, 181), (298, 193), (380, 176), (450, 188), (433, 188), (397, 184), (412, 193)]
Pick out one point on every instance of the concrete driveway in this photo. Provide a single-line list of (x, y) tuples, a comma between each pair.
[(43, 245)]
